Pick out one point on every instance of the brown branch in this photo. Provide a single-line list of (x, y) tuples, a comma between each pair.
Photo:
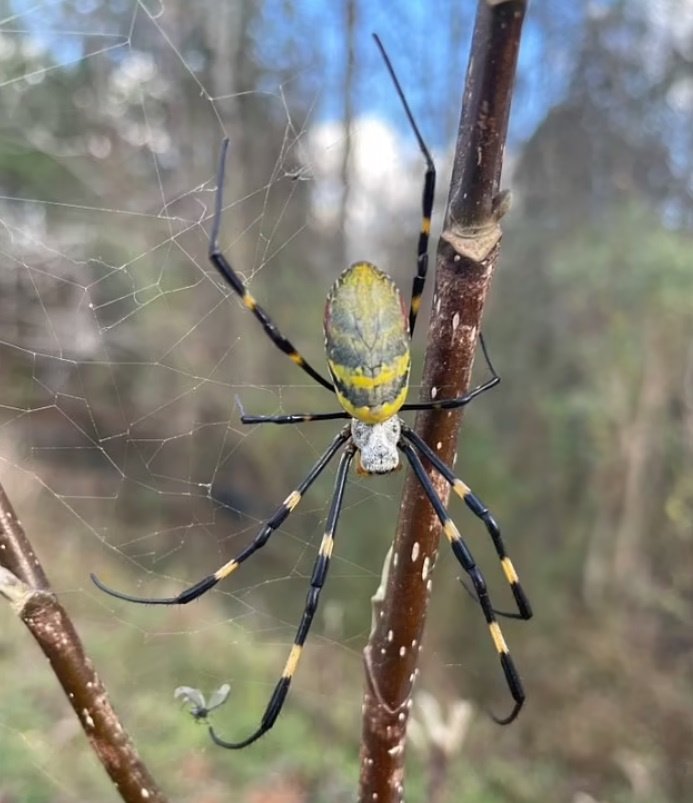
[(467, 253), (24, 583)]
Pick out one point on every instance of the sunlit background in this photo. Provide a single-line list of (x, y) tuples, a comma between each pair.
[(125, 364)]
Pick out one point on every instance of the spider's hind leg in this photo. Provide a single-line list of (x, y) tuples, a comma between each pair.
[(232, 278), (427, 197)]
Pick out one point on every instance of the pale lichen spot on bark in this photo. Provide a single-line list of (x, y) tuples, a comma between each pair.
[(87, 717), (426, 568)]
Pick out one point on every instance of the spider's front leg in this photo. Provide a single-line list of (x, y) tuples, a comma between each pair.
[(263, 536), (317, 581), (524, 609), (466, 560)]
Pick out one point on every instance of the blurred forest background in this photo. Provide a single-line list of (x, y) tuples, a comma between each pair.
[(124, 363)]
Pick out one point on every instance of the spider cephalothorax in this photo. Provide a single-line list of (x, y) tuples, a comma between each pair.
[(377, 445), (367, 344)]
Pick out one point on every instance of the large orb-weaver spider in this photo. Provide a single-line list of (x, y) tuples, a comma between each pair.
[(367, 342)]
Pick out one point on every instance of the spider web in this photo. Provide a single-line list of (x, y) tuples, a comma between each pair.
[(126, 361)]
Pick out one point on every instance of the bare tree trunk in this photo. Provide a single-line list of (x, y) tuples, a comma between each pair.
[(639, 445), (467, 253), (24, 584)]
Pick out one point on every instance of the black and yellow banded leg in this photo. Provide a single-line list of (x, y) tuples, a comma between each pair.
[(292, 418), (461, 401), (317, 581), (453, 404), (234, 280), (270, 526), (480, 511), (419, 281), (465, 559), (427, 197)]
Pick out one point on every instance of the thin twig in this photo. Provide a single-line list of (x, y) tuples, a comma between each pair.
[(24, 584), (466, 256)]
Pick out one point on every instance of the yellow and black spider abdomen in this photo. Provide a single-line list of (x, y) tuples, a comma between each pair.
[(367, 343)]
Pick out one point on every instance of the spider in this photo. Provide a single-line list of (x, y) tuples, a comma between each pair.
[(367, 343)]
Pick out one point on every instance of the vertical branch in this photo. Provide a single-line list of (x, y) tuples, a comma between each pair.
[(24, 584), (466, 256)]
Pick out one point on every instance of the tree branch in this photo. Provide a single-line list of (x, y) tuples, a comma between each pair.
[(466, 256), (24, 583)]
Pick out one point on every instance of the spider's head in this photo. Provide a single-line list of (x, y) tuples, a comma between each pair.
[(377, 444)]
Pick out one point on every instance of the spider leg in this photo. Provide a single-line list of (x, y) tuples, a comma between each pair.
[(454, 404), (480, 511), (291, 418), (466, 560), (503, 614), (426, 198), (234, 280), (270, 526), (317, 581), (461, 401)]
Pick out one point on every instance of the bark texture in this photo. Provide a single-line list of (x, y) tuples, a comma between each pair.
[(466, 256)]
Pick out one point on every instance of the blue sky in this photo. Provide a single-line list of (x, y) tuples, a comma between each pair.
[(428, 42)]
